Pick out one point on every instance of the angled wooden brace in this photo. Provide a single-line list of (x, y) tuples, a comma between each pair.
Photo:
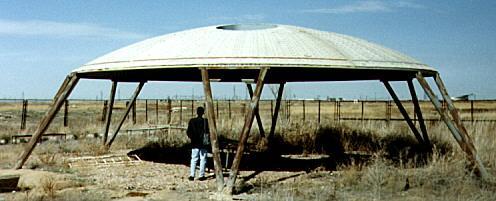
[(257, 113), (108, 117), (276, 112), (466, 146), (123, 118), (403, 112), (418, 112), (62, 94), (245, 131)]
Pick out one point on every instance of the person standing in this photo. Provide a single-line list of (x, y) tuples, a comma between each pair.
[(199, 135)]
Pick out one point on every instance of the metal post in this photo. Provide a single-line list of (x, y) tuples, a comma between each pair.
[(62, 94), (464, 144), (418, 112), (213, 129), (123, 118), (245, 131), (257, 114), (403, 112), (108, 118)]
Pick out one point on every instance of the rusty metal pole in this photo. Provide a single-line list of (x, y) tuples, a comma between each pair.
[(466, 146), (104, 110), (156, 112), (250, 115), (257, 114), (403, 112), (276, 112), (108, 118), (219, 177), (123, 118), (418, 112), (62, 94)]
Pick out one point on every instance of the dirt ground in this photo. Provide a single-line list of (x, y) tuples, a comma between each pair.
[(141, 181)]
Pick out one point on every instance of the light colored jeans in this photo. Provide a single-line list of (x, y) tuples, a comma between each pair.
[(195, 154)]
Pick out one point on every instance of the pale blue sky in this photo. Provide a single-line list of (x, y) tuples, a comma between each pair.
[(42, 41)]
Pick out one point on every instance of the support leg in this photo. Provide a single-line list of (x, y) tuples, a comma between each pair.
[(466, 146), (108, 118), (123, 118), (418, 112), (257, 114), (403, 112), (276, 112), (245, 131), (213, 129), (62, 94)]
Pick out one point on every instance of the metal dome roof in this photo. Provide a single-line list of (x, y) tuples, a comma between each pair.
[(284, 49)]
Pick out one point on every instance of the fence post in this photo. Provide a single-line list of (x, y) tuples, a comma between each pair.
[(472, 110), (134, 111), (180, 112), (192, 107), (146, 110), (229, 107), (362, 115), (66, 111), (24, 114), (318, 118), (303, 103), (156, 112), (169, 111), (104, 110), (217, 109)]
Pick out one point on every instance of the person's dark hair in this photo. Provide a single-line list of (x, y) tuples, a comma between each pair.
[(200, 111)]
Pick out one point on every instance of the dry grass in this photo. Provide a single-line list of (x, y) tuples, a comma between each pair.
[(395, 156)]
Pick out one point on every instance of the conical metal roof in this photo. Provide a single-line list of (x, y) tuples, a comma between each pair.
[(282, 48)]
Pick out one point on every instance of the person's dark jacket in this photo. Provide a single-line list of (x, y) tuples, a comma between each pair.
[(196, 128)]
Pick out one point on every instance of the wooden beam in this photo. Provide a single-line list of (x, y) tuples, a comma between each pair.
[(452, 109), (219, 177), (418, 112), (469, 149), (108, 118), (123, 118), (403, 112), (276, 112), (62, 94), (245, 131), (257, 114)]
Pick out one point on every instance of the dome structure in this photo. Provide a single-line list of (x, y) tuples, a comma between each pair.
[(292, 54), (264, 53)]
